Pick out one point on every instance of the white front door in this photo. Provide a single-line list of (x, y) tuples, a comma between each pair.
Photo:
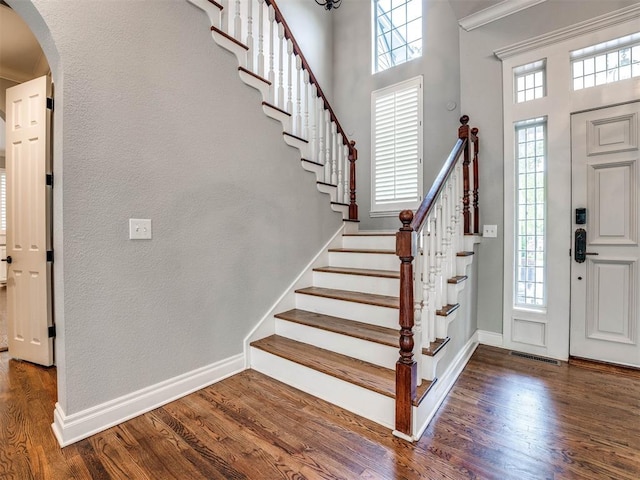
[(28, 222), (605, 287)]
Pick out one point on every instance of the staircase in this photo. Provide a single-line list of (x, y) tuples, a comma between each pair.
[(335, 333), (340, 342)]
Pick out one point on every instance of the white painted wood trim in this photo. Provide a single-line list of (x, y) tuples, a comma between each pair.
[(495, 12), (69, 429), (589, 26), (424, 413), (490, 338), (267, 325)]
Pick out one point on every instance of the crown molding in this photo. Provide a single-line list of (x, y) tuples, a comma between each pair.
[(588, 26), (495, 12)]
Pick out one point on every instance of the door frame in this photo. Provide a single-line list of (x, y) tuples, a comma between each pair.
[(557, 106)]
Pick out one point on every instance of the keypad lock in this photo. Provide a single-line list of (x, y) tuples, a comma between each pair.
[(580, 246)]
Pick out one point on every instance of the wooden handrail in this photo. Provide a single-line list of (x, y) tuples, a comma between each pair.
[(406, 367), (353, 153)]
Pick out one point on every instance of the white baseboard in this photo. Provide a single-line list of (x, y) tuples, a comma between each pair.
[(444, 383), (69, 429), (490, 338)]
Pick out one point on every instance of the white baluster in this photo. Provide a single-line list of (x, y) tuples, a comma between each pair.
[(320, 127), (334, 154), (261, 38), (298, 121), (340, 153), (347, 173), (250, 34), (290, 77), (417, 311), (237, 23), (224, 16), (424, 286), (272, 47), (432, 277), (281, 66), (307, 94), (440, 302), (313, 117), (327, 146)]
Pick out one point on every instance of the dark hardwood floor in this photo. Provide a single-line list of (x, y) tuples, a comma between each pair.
[(506, 418)]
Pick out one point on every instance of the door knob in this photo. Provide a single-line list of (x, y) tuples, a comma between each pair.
[(8, 259)]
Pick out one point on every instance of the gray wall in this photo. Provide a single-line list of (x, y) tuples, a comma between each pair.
[(353, 84), (481, 85), (153, 122)]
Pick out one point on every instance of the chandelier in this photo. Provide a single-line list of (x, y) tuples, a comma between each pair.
[(329, 4)]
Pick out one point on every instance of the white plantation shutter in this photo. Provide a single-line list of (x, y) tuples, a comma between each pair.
[(397, 146)]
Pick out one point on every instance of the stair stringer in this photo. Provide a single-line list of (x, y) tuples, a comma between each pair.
[(267, 324), (214, 13)]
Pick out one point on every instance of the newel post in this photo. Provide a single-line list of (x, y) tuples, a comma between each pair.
[(463, 132), (353, 156), (406, 369), (476, 181)]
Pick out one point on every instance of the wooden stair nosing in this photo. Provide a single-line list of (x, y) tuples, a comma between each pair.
[(447, 310), (363, 272), (363, 250), (363, 374), (216, 4), (340, 203), (267, 104), (343, 326), (370, 234), (464, 254), (457, 279), (351, 220), (355, 297), (312, 162), (295, 136), (435, 347), (327, 184), (255, 75), (229, 37)]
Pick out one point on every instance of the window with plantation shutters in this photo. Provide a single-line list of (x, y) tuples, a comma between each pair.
[(396, 180)]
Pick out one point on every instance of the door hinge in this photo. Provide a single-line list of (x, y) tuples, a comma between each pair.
[(49, 179), (52, 331), (50, 103), (569, 252), (50, 256)]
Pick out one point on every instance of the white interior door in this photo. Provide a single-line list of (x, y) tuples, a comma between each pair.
[(605, 287), (28, 226)]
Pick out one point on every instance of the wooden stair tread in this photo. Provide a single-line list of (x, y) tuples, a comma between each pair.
[(350, 328), (435, 347), (340, 203), (364, 250), (213, 2), (457, 279), (370, 234), (311, 161), (255, 75), (294, 136), (229, 37), (365, 272), (464, 254), (356, 297), (270, 105), (366, 375), (447, 310)]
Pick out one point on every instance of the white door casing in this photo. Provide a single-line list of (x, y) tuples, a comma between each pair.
[(28, 222), (605, 287), (545, 331)]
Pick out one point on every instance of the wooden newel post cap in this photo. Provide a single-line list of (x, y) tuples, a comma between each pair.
[(464, 119), (406, 217)]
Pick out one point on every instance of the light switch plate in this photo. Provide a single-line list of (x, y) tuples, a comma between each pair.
[(490, 231), (139, 229)]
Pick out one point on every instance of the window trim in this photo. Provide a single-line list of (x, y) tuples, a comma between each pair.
[(393, 208)]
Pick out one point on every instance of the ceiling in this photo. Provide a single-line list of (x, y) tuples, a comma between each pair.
[(21, 57)]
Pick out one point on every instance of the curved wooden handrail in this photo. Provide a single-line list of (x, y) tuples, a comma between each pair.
[(312, 78)]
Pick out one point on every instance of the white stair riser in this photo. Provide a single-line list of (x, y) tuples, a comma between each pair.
[(212, 11), (442, 324), (374, 261), (237, 50), (252, 81), (462, 263), (361, 401), (369, 241), (371, 352), (382, 316), (357, 283), (453, 289), (343, 209)]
